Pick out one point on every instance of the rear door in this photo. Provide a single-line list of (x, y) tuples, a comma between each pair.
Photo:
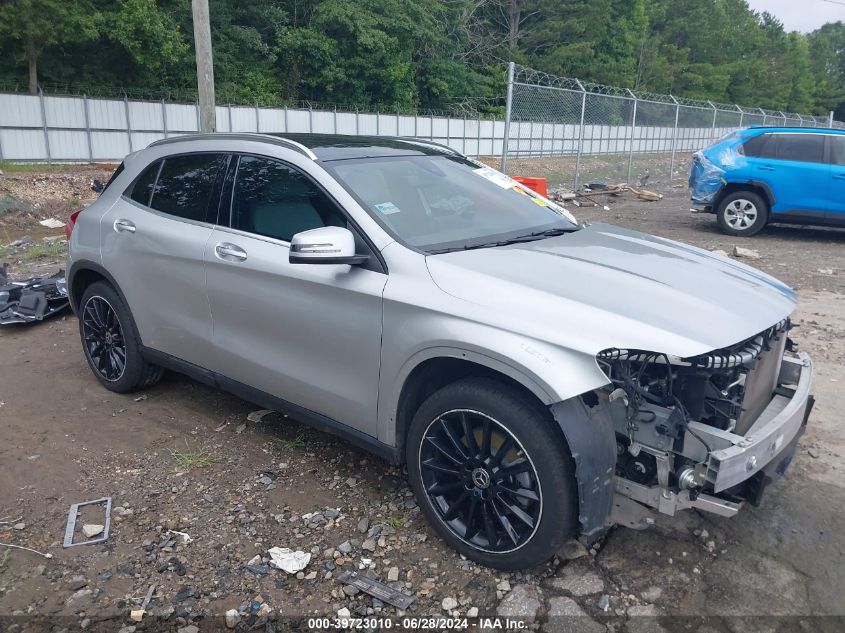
[(307, 333), (153, 242), (836, 193), (793, 165)]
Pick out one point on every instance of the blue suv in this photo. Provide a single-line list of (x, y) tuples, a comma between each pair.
[(771, 174)]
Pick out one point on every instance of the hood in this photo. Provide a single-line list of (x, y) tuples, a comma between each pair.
[(605, 286)]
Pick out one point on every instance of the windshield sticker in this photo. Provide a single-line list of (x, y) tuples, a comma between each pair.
[(386, 208), (497, 178)]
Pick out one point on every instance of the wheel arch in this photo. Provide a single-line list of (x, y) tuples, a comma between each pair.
[(587, 434), (755, 186), (81, 275)]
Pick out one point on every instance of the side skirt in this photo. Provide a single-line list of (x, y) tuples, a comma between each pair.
[(268, 401)]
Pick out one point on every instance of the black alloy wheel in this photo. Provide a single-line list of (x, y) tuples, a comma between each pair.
[(103, 338), (480, 481)]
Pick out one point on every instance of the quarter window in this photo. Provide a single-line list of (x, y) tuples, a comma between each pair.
[(185, 185), (143, 187), (763, 146), (275, 200)]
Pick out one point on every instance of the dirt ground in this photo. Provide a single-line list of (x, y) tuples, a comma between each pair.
[(183, 459)]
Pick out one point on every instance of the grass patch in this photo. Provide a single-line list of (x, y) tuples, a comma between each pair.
[(3, 251), (8, 167), (295, 442), (189, 459), (51, 249), (395, 522)]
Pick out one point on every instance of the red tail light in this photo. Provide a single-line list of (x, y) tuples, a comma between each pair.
[(71, 222)]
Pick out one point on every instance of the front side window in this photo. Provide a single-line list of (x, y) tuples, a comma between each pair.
[(440, 202), (185, 184), (275, 200), (806, 148), (143, 187)]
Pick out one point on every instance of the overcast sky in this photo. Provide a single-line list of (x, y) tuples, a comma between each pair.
[(801, 15)]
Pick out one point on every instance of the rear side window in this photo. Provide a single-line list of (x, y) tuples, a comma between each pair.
[(837, 150), (275, 200), (143, 187), (807, 148), (185, 185)]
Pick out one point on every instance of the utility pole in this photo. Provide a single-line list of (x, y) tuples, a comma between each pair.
[(205, 65)]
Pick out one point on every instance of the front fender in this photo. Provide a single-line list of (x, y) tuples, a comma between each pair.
[(552, 374)]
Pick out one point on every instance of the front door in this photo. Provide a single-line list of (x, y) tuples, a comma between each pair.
[(307, 333)]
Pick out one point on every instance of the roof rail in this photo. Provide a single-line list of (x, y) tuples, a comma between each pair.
[(426, 143), (242, 136)]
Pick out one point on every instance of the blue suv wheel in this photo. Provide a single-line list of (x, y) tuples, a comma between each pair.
[(742, 213)]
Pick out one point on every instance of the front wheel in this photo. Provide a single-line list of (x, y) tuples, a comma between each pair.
[(491, 474), (742, 213)]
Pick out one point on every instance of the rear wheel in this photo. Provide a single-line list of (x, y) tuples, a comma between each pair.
[(491, 474), (110, 341), (742, 213)]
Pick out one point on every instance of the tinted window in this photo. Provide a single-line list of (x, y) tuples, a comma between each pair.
[(808, 148), (185, 184), (837, 150), (275, 200), (143, 187), (763, 146)]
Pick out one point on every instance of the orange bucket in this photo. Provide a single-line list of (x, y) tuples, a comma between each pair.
[(537, 185)]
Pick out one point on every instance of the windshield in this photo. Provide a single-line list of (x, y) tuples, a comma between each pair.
[(439, 203)]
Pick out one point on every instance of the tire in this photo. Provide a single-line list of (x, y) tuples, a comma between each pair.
[(536, 464), (110, 341), (742, 213)]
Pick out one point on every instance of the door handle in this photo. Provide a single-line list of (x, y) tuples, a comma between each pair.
[(230, 252), (124, 226), (766, 168), (839, 176)]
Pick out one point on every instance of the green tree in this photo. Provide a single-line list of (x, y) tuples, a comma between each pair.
[(36, 24)]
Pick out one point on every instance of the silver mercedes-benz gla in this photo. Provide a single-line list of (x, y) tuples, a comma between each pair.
[(540, 379)]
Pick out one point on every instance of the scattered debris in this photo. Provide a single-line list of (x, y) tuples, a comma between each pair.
[(288, 560), (814, 453), (604, 602), (747, 253), (32, 299), (27, 549), (90, 530), (257, 416), (185, 537), (232, 618), (377, 589), (825, 271), (645, 194), (52, 223), (71, 524)]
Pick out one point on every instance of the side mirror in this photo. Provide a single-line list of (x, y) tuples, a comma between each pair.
[(325, 245)]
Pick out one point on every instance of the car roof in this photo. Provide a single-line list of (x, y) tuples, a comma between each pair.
[(794, 130), (328, 147)]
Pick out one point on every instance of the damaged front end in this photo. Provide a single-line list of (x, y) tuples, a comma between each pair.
[(707, 432)]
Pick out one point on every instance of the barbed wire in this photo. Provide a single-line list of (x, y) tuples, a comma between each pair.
[(524, 75)]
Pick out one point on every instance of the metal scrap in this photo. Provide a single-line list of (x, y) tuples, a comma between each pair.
[(73, 514), (377, 589), (32, 299)]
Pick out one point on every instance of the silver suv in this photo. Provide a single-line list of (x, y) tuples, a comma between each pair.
[(540, 379)]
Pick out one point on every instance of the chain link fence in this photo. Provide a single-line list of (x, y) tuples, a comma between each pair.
[(607, 134)]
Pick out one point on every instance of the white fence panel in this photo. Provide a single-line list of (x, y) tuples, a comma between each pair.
[(20, 111), (145, 116)]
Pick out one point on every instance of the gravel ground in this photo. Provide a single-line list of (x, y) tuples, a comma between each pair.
[(182, 458)]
